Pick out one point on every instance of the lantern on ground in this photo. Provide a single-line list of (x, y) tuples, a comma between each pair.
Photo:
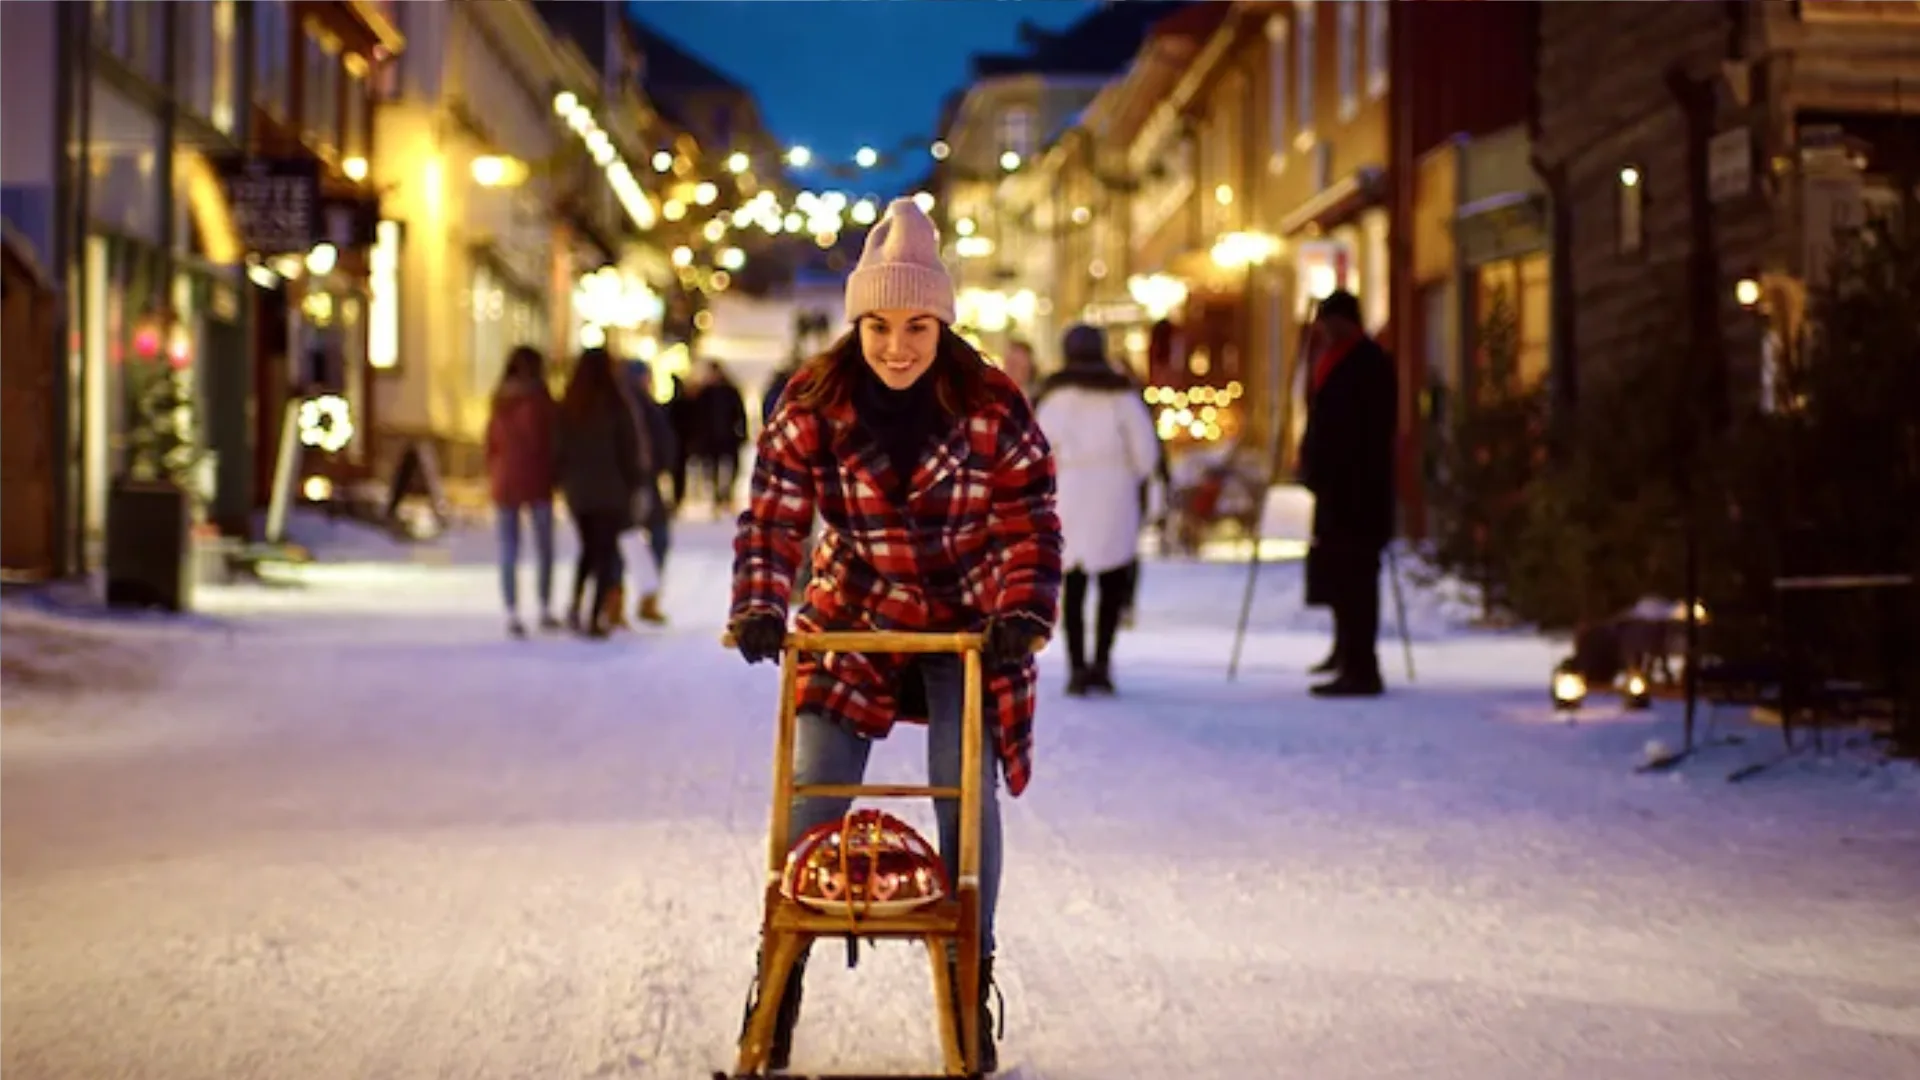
[(1569, 687), (1635, 691)]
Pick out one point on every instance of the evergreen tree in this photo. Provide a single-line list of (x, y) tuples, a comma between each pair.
[(161, 442), (1493, 449)]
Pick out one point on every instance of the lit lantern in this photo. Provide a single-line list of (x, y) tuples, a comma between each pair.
[(1636, 692), (1569, 687)]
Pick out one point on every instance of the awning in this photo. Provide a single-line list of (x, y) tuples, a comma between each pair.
[(1339, 202)]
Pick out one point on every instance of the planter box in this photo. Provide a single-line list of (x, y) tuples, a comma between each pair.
[(149, 547)]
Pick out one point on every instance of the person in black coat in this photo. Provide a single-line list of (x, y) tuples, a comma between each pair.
[(600, 467), (1347, 461)]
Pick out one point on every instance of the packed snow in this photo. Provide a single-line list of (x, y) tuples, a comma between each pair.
[(341, 825)]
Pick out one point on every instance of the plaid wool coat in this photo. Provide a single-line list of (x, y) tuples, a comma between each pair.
[(977, 537)]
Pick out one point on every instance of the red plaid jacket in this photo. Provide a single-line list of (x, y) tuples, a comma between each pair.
[(977, 537)]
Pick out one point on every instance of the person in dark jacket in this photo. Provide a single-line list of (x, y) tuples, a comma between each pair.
[(662, 447), (599, 457), (1347, 461), (720, 434), (520, 477)]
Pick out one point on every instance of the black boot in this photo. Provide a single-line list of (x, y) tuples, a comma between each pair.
[(989, 1035), (1077, 681), (781, 1051), (1328, 666)]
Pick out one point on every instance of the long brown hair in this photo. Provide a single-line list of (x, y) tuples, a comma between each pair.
[(524, 364), (826, 382), (592, 387)]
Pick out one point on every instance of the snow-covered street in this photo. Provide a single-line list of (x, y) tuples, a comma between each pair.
[(349, 829)]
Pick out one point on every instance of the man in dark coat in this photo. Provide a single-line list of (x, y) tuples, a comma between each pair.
[(1347, 460)]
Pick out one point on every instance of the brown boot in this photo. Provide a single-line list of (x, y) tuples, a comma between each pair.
[(650, 610), (614, 616)]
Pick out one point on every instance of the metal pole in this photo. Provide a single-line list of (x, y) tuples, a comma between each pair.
[(1400, 608), (1275, 444)]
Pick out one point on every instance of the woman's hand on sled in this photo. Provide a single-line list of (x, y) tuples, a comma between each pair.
[(1010, 639), (759, 636)]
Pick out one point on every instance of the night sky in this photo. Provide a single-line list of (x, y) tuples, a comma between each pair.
[(835, 74)]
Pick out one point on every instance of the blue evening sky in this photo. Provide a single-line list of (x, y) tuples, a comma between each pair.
[(833, 75)]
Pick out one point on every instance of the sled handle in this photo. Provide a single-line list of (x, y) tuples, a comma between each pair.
[(891, 641)]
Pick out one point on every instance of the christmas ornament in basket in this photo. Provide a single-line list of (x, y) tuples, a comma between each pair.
[(867, 863)]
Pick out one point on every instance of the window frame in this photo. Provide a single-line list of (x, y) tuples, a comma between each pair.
[(1349, 58)]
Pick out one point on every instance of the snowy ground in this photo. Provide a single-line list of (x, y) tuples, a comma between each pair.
[(346, 828)]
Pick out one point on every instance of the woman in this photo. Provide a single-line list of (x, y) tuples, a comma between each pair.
[(600, 470), (520, 477), (935, 493), (1106, 450)]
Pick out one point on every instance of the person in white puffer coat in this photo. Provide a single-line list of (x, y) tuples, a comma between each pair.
[(1104, 449)]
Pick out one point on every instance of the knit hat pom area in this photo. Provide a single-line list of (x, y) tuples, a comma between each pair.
[(900, 267)]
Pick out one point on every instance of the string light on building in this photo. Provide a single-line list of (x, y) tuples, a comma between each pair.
[(863, 212), (923, 200), (866, 157), (732, 259), (940, 150), (662, 161), (738, 162)]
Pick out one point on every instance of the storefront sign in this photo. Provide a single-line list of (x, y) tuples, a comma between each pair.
[(275, 202)]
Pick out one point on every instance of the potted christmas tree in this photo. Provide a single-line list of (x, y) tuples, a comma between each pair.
[(150, 506)]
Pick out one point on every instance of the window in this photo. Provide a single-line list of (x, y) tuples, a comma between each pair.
[(207, 67), (1276, 92), (1379, 47), (1631, 210), (1304, 36), (271, 34), (355, 129), (320, 97), (1016, 131), (135, 32), (1349, 58)]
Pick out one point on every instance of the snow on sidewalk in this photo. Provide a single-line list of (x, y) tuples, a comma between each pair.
[(366, 835)]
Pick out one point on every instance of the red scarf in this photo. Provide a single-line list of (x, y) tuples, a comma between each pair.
[(1328, 359)]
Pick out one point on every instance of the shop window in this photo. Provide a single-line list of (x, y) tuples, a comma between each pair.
[(272, 35), (1305, 36), (1630, 210), (1524, 285), (124, 188), (1379, 47), (1349, 59)]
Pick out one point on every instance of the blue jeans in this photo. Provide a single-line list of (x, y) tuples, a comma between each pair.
[(824, 752), (506, 521)]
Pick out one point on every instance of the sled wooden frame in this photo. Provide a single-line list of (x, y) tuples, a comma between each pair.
[(789, 927)]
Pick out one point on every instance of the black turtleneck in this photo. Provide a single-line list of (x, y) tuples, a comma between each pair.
[(902, 422)]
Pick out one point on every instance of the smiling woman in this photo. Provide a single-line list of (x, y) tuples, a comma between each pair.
[(934, 490)]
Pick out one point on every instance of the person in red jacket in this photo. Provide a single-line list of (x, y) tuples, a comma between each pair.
[(934, 488), (520, 477)]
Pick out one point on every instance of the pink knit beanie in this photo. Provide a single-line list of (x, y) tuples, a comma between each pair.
[(900, 267)]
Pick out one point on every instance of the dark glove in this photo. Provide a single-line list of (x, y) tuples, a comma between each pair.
[(759, 636), (1010, 640)]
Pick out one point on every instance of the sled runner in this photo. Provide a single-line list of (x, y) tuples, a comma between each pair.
[(789, 925)]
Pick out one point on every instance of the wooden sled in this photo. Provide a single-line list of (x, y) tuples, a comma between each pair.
[(789, 927)]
